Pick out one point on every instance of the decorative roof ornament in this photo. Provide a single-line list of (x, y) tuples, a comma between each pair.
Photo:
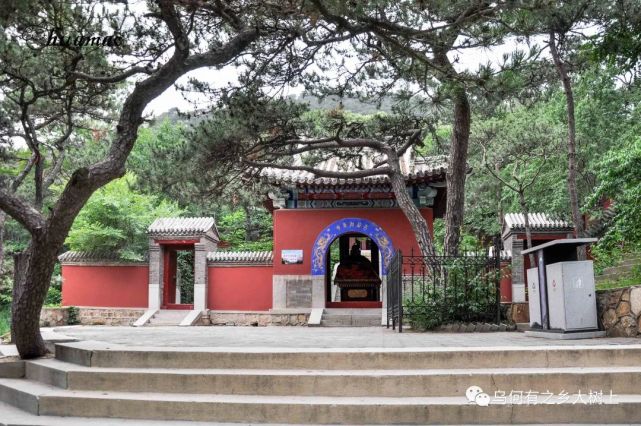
[(414, 169)]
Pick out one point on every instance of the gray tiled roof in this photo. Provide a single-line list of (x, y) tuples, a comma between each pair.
[(538, 221), (244, 257), (93, 256), (412, 168), (181, 225)]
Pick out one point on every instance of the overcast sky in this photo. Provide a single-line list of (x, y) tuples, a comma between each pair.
[(173, 98)]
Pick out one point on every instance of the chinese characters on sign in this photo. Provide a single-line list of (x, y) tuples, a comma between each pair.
[(291, 257)]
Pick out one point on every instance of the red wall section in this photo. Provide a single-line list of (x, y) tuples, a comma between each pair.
[(298, 229), (105, 286), (240, 288)]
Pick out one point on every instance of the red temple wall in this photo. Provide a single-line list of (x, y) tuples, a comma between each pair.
[(298, 229), (506, 282), (240, 288), (110, 286)]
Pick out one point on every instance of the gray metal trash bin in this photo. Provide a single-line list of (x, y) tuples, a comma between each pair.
[(573, 307), (534, 299), (571, 296)]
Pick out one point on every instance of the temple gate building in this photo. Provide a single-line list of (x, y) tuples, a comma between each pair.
[(333, 242)]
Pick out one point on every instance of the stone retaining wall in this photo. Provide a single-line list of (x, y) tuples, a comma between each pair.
[(256, 319), (54, 317), (619, 311)]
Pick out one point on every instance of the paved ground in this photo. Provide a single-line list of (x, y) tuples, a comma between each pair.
[(304, 337)]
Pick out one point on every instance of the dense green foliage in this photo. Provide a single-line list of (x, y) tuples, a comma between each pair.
[(116, 218), (620, 179)]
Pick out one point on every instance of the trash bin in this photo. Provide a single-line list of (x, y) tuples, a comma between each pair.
[(571, 296), (561, 288)]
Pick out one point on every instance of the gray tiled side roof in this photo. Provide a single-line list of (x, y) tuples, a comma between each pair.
[(181, 225), (243, 257), (93, 257), (413, 169), (538, 221)]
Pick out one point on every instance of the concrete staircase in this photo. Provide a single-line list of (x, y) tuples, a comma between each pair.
[(342, 317), (167, 317), (622, 269), (336, 386)]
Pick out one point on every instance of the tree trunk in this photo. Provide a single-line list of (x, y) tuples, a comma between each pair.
[(528, 231), (412, 213), (457, 172), (25, 307), (571, 181), (499, 190), (3, 221)]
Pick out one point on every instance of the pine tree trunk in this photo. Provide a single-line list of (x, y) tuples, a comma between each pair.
[(528, 231), (3, 221), (406, 204), (571, 180), (457, 172), (33, 275)]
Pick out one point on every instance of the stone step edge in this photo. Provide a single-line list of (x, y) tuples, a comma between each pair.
[(67, 367), (39, 390), (98, 346), (314, 409), (299, 358)]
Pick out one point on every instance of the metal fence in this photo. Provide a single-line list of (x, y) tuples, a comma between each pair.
[(429, 291)]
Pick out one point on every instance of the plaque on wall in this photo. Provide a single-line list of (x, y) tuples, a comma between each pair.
[(291, 257), (357, 293)]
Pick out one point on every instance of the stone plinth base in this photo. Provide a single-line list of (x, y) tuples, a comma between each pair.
[(55, 317), (256, 318), (518, 312), (555, 335)]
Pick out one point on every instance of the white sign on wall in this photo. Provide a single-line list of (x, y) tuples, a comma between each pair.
[(291, 257)]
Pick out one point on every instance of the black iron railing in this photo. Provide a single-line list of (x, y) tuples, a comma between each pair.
[(429, 291)]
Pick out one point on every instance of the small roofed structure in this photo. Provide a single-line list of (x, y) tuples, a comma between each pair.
[(539, 222), (167, 236), (171, 227), (544, 227)]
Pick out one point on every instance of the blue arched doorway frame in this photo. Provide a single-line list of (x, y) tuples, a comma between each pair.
[(345, 226)]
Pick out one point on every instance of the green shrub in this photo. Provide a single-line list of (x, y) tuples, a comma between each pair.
[(5, 320), (73, 316), (460, 291)]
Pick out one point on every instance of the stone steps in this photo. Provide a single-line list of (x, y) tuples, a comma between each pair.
[(167, 317), (629, 262), (340, 317), (95, 354), (379, 383), (48, 400), (321, 386)]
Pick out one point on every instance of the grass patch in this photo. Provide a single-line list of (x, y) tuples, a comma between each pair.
[(5, 320), (620, 283)]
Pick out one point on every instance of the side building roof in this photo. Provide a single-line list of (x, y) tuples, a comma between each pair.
[(100, 257), (546, 222), (240, 258)]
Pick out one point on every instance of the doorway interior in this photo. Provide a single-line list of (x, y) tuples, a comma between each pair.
[(353, 273), (178, 276)]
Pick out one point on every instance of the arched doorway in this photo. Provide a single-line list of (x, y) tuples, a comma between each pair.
[(347, 235)]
